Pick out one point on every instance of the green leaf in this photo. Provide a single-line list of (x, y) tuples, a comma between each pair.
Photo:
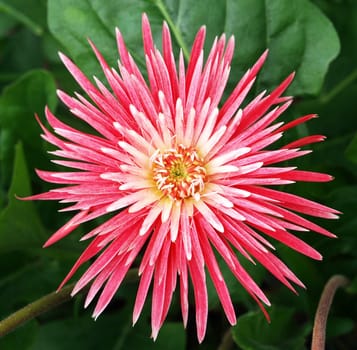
[(253, 332), (6, 23), (22, 338), (20, 226), (110, 331), (73, 22), (289, 29), (345, 199), (352, 287), (15, 62), (351, 151), (297, 33), (7, 142), (18, 104), (337, 326), (31, 13)]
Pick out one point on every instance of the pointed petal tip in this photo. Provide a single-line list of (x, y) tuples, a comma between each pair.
[(262, 58), (47, 243), (317, 256), (87, 302), (37, 117), (333, 216), (135, 318), (47, 109), (111, 207), (59, 93), (330, 178), (154, 333), (118, 34), (142, 231), (74, 291), (63, 57), (165, 27), (95, 315), (202, 30), (220, 228), (52, 240), (21, 198), (231, 40), (232, 319), (185, 320), (200, 337), (144, 17)]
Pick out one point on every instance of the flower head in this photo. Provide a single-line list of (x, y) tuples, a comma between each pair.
[(184, 175)]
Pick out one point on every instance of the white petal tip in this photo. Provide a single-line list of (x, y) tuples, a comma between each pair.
[(75, 291), (135, 318), (117, 126), (143, 231), (154, 334), (217, 225), (220, 228), (133, 110), (111, 208), (86, 303), (106, 176), (333, 216), (173, 237)]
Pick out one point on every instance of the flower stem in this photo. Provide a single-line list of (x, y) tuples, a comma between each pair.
[(319, 330), (177, 34), (34, 309), (45, 304), (339, 87)]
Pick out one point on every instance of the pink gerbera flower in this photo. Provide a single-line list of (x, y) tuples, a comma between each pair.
[(184, 175)]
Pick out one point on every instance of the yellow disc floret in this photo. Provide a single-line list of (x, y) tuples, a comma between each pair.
[(179, 172)]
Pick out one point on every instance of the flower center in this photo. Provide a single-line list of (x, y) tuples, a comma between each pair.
[(179, 173)]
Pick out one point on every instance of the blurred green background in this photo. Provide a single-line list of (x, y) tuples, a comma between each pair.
[(317, 39)]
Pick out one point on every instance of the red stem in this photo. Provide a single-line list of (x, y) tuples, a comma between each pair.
[(319, 330)]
